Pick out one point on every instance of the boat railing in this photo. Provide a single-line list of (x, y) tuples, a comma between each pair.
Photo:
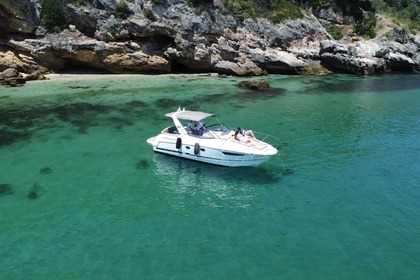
[(270, 139)]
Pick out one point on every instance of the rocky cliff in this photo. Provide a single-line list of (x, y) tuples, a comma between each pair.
[(164, 36)]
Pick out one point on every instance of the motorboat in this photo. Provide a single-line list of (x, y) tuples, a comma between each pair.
[(195, 136)]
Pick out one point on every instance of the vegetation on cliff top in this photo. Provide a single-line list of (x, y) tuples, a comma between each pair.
[(122, 11), (53, 13), (404, 12), (274, 10)]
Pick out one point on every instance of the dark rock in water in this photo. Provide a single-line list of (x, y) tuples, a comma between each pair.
[(33, 192), (142, 164), (11, 77), (288, 171), (254, 85), (250, 95), (32, 195), (6, 189), (9, 136), (119, 122), (45, 170), (79, 87), (136, 104)]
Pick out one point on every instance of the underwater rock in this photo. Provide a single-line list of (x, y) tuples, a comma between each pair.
[(118, 122), (8, 136), (6, 189), (136, 104), (165, 103), (79, 87), (142, 164), (254, 85), (45, 170), (33, 192), (32, 195), (288, 171)]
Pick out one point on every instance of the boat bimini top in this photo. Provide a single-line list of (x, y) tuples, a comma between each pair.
[(189, 115), (183, 114)]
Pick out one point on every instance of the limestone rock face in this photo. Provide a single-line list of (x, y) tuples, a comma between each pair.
[(11, 77), (23, 63), (369, 57), (163, 36), (19, 16), (360, 58), (276, 61), (136, 62), (248, 68), (72, 48)]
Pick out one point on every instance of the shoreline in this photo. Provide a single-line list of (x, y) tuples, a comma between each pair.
[(57, 77), (66, 76)]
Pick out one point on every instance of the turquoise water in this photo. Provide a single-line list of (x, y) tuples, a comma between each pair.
[(88, 199)]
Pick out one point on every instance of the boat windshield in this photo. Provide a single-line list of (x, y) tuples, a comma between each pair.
[(219, 128), (217, 131), (208, 131)]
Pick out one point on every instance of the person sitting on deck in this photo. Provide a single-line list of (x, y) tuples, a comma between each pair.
[(241, 136)]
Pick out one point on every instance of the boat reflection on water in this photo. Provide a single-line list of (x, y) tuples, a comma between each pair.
[(212, 185)]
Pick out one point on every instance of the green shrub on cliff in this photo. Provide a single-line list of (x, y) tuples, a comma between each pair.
[(241, 9), (80, 2), (149, 14), (122, 11), (284, 10), (274, 10), (404, 12), (335, 32), (53, 13), (366, 26), (321, 4)]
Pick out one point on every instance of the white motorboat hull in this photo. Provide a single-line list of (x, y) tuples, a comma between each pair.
[(224, 152), (214, 143)]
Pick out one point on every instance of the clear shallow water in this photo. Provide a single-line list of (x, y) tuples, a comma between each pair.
[(89, 199)]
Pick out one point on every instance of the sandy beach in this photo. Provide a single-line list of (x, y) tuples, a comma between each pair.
[(66, 76)]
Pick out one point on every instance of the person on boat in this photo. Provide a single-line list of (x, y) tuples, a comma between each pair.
[(190, 126), (197, 128), (241, 136)]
